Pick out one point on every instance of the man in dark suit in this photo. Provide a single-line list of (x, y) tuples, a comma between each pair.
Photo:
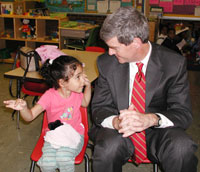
[(167, 102)]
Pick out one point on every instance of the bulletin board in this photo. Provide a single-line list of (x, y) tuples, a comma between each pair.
[(98, 6), (106, 6), (176, 6), (65, 5)]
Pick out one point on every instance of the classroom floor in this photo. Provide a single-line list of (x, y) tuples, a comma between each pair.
[(16, 145)]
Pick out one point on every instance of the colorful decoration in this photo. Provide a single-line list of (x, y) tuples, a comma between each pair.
[(66, 5)]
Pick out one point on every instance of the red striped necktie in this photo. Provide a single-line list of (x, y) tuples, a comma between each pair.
[(138, 100)]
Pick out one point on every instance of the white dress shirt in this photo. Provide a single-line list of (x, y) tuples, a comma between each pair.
[(107, 122)]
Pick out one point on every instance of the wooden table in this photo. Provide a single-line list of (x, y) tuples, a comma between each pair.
[(78, 32), (89, 59), (86, 57), (18, 74)]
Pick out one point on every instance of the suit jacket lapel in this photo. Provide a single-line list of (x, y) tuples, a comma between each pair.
[(121, 83), (153, 75)]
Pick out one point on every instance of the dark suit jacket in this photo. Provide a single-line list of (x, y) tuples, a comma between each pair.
[(167, 87), (171, 44)]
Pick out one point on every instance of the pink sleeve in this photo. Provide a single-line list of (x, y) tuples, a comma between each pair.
[(44, 100)]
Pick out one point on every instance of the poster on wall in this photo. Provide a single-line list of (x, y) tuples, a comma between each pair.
[(166, 5), (91, 5), (66, 5), (176, 6)]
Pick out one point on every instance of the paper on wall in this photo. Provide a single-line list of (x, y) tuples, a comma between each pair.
[(102, 6), (114, 5)]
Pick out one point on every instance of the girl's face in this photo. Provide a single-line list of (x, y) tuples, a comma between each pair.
[(77, 81)]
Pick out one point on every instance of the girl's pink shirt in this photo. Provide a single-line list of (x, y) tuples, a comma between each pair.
[(64, 109)]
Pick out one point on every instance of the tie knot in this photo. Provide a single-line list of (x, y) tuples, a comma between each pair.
[(139, 65)]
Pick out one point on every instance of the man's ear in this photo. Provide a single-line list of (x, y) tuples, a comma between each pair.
[(136, 42)]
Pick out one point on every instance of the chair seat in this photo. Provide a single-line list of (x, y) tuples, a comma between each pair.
[(35, 87)]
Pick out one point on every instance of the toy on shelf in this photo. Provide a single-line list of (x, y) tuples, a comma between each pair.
[(19, 9), (26, 29), (6, 8), (8, 33)]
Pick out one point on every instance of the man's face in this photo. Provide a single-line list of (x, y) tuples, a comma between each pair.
[(122, 52)]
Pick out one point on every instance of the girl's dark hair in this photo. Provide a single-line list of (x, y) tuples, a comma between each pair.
[(62, 67)]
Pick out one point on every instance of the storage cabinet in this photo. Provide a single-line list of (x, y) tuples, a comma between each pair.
[(44, 27)]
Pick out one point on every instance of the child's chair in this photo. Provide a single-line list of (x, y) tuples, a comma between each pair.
[(155, 166), (37, 152)]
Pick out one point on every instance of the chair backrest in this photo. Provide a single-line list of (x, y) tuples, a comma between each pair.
[(28, 87), (44, 124), (79, 158), (93, 37), (95, 49)]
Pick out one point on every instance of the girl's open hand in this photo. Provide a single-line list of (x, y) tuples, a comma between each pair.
[(18, 104)]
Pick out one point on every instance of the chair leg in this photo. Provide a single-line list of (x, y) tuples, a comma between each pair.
[(18, 117), (155, 167), (32, 166), (87, 167), (25, 96), (13, 114), (90, 146), (35, 99)]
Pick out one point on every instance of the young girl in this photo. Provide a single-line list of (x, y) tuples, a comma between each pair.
[(70, 90)]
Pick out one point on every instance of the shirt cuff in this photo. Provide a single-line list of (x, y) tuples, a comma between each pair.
[(107, 122), (165, 122)]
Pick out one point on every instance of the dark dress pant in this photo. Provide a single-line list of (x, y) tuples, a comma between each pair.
[(171, 148)]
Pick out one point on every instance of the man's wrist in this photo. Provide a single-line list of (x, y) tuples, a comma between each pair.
[(159, 121), (116, 122)]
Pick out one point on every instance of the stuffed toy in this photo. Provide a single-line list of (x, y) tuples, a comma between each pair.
[(26, 29), (54, 125)]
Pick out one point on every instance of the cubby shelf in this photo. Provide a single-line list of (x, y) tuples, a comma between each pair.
[(40, 23)]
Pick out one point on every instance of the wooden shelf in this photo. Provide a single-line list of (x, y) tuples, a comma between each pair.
[(30, 17), (30, 40), (40, 23), (180, 17), (7, 60)]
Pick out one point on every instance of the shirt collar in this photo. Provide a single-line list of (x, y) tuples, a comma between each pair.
[(145, 60)]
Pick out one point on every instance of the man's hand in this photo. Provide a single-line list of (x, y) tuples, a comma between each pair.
[(132, 121)]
